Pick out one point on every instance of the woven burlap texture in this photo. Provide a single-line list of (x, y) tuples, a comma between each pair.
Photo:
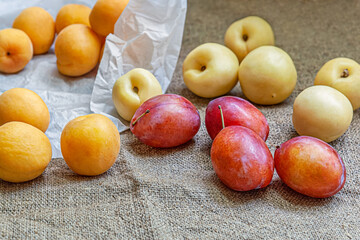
[(174, 193)]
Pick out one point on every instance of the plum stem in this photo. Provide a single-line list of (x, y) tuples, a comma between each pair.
[(345, 73), (147, 111), (222, 117)]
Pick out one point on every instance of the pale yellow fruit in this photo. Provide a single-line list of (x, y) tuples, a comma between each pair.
[(132, 89), (322, 112), (104, 15), (248, 33), (72, 14), (39, 25), (90, 144), (77, 49), (267, 75), (24, 105), (16, 50), (25, 152), (342, 74), (210, 70)]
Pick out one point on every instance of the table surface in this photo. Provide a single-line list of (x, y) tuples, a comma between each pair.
[(174, 193)]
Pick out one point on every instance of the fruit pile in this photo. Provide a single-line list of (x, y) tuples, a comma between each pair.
[(240, 157), (90, 144), (80, 30), (267, 75)]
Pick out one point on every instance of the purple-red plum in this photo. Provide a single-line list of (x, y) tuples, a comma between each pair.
[(241, 159), (165, 121), (310, 166), (236, 111)]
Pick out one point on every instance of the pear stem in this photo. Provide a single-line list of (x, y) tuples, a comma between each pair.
[(147, 111), (222, 117)]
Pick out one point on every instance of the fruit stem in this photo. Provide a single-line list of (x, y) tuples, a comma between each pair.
[(345, 73), (136, 90), (147, 111), (222, 117)]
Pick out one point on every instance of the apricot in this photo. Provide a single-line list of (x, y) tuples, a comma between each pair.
[(165, 121), (310, 167), (77, 49), (102, 39), (25, 152), (104, 15), (16, 50), (39, 25), (24, 105), (101, 52), (90, 144), (72, 14)]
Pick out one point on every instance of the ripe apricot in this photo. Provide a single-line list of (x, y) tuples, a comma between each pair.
[(101, 52), (90, 144), (72, 14), (25, 152), (77, 49), (104, 15), (24, 105), (16, 50), (39, 25)]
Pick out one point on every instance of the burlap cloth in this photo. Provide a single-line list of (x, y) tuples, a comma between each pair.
[(174, 193)]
